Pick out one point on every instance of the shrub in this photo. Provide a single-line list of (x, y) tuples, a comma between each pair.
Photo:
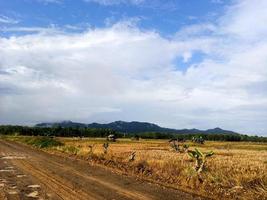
[(43, 142), (105, 147), (132, 156), (200, 158), (71, 149)]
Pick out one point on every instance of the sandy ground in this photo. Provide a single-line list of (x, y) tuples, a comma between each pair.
[(27, 173)]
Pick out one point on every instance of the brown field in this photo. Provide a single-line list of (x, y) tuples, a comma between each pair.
[(238, 170)]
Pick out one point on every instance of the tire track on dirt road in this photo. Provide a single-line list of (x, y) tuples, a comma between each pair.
[(58, 186)]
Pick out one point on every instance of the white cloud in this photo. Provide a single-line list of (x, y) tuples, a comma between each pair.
[(7, 20), (43, 30), (187, 56), (246, 19), (122, 72)]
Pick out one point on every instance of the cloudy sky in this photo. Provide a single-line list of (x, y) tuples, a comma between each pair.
[(178, 63)]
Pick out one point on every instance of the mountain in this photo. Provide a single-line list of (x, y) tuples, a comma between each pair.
[(219, 131), (64, 124), (130, 127), (134, 127)]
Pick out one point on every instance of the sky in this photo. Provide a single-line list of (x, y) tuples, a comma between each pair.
[(177, 63)]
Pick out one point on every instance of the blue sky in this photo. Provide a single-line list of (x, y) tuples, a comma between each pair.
[(164, 16), (178, 63)]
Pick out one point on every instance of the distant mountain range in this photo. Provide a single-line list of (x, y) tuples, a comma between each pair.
[(135, 127)]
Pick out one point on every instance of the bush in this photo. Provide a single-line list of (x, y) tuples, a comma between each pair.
[(70, 149), (43, 142)]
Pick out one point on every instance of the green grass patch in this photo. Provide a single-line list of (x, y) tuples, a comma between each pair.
[(42, 142)]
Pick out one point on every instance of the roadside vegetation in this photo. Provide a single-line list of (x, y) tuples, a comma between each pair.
[(39, 142)]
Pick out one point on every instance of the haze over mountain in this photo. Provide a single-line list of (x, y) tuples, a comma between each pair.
[(134, 127)]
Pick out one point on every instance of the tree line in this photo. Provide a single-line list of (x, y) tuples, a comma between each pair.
[(211, 137), (59, 131)]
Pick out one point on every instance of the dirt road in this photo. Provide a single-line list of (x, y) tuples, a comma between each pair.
[(26, 173)]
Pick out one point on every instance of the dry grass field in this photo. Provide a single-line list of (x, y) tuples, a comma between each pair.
[(237, 170)]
